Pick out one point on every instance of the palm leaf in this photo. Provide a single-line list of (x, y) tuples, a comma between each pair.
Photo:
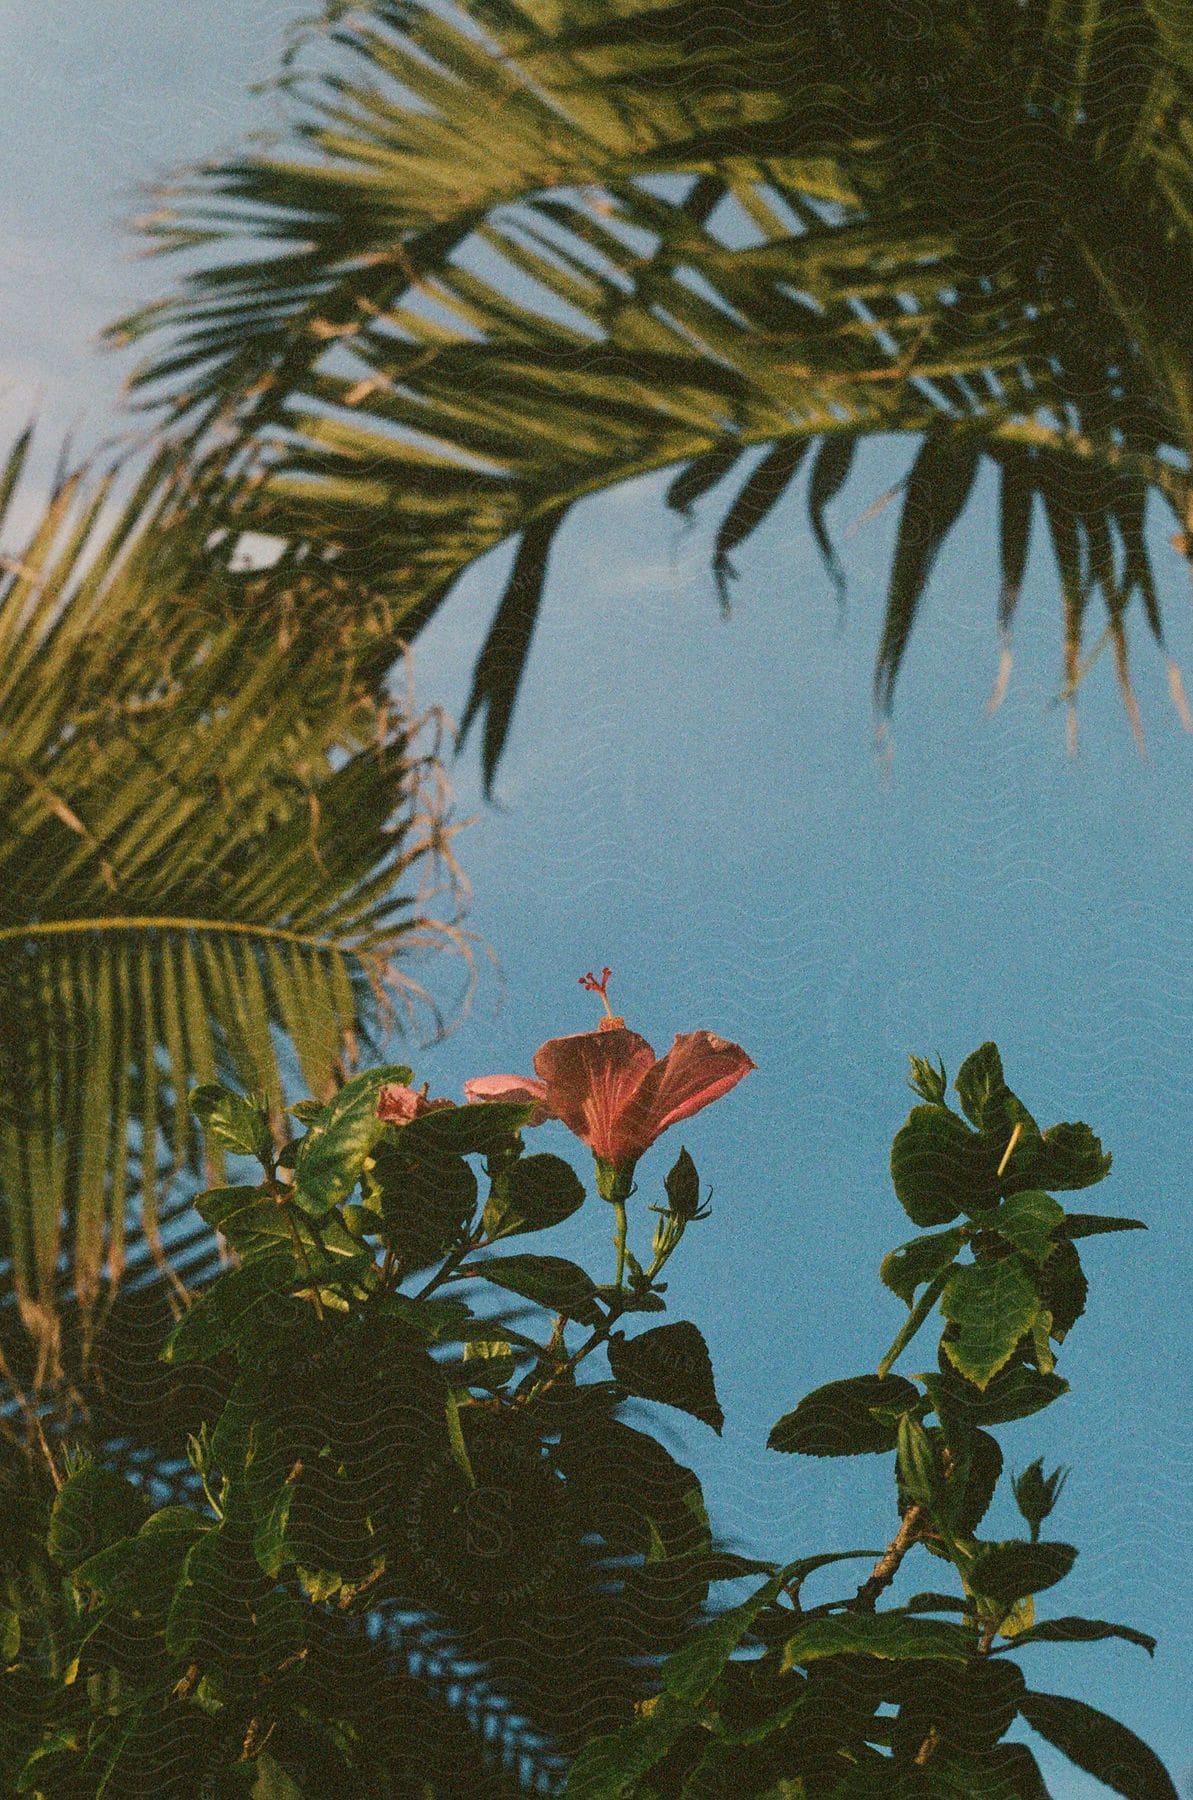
[(217, 856), (463, 308)]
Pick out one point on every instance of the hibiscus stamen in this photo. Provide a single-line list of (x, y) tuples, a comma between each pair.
[(611, 1021)]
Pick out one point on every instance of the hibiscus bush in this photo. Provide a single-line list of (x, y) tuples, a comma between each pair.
[(414, 1432)]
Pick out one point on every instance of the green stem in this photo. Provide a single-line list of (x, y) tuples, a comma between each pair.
[(619, 1238)]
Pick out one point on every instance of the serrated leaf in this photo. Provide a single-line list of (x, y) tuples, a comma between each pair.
[(1063, 1290), (939, 1167), (846, 1418), (1100, 1746), (890, 1635), (669, 1363), (692, 1672), (1027, 1220), (1070, 1156), (1015, 1393), (551, 1281), (919, 1260), (609, 1768), (1007, 1572), (992, 1304)]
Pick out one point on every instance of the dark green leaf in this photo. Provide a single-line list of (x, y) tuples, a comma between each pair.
[(272, 1781), (1027, 1220), (893, 1635), (215, 1320), (1079, 1225), (939, 1167), (95, 1507), (759, 495), (1014, 1394), (480, 1128), (982, 1089), (1100, 1746), (230, 1120), (918, 1261), (10, 1635), (551, 1281), (611, 1767), (829, 474), (702, 473), (669, 1363), (1007, 1572), (1063, 1289), (991, 1303), (1070, 1157), (1082, 1631), (691, 1672), (846, 1418), (536, 1193), (976, 1467), (489, 1362)]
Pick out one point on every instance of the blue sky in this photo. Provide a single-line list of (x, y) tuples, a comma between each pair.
[(701, 805)]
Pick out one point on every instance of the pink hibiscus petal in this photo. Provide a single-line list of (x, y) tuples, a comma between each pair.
[(591, 1078), (698, 1069), (518, 1090)]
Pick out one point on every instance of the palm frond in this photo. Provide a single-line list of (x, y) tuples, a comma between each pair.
[(219, 857), (466, 302)]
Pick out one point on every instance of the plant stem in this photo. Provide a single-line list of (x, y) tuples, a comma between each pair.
[(619, 1238), (887, 1566)]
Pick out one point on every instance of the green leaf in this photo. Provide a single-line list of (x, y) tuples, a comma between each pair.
[(1027, 1220), (269, 1539), (94, 1508), (1099, 1745), (1016, 1393), (918, 1261), (1063, 1290), (1083, 1631), (939, 1167), (427, 1203), (1079, 1225), (535, 1194), (10, 1634), (938, 486), (992, 1303), (610, 1768), (890, 1635), (272, 1782), (551, 1281), (1007, 1572), (976, 1467), (982, 1089), (919, 1472), (238, 1124), (692, 1672), (846, 1418), (493, 1360), (1070, 1157), (330, 1159), (669, 1363), (217, 1317), (478, 1129), (914, 1320)]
